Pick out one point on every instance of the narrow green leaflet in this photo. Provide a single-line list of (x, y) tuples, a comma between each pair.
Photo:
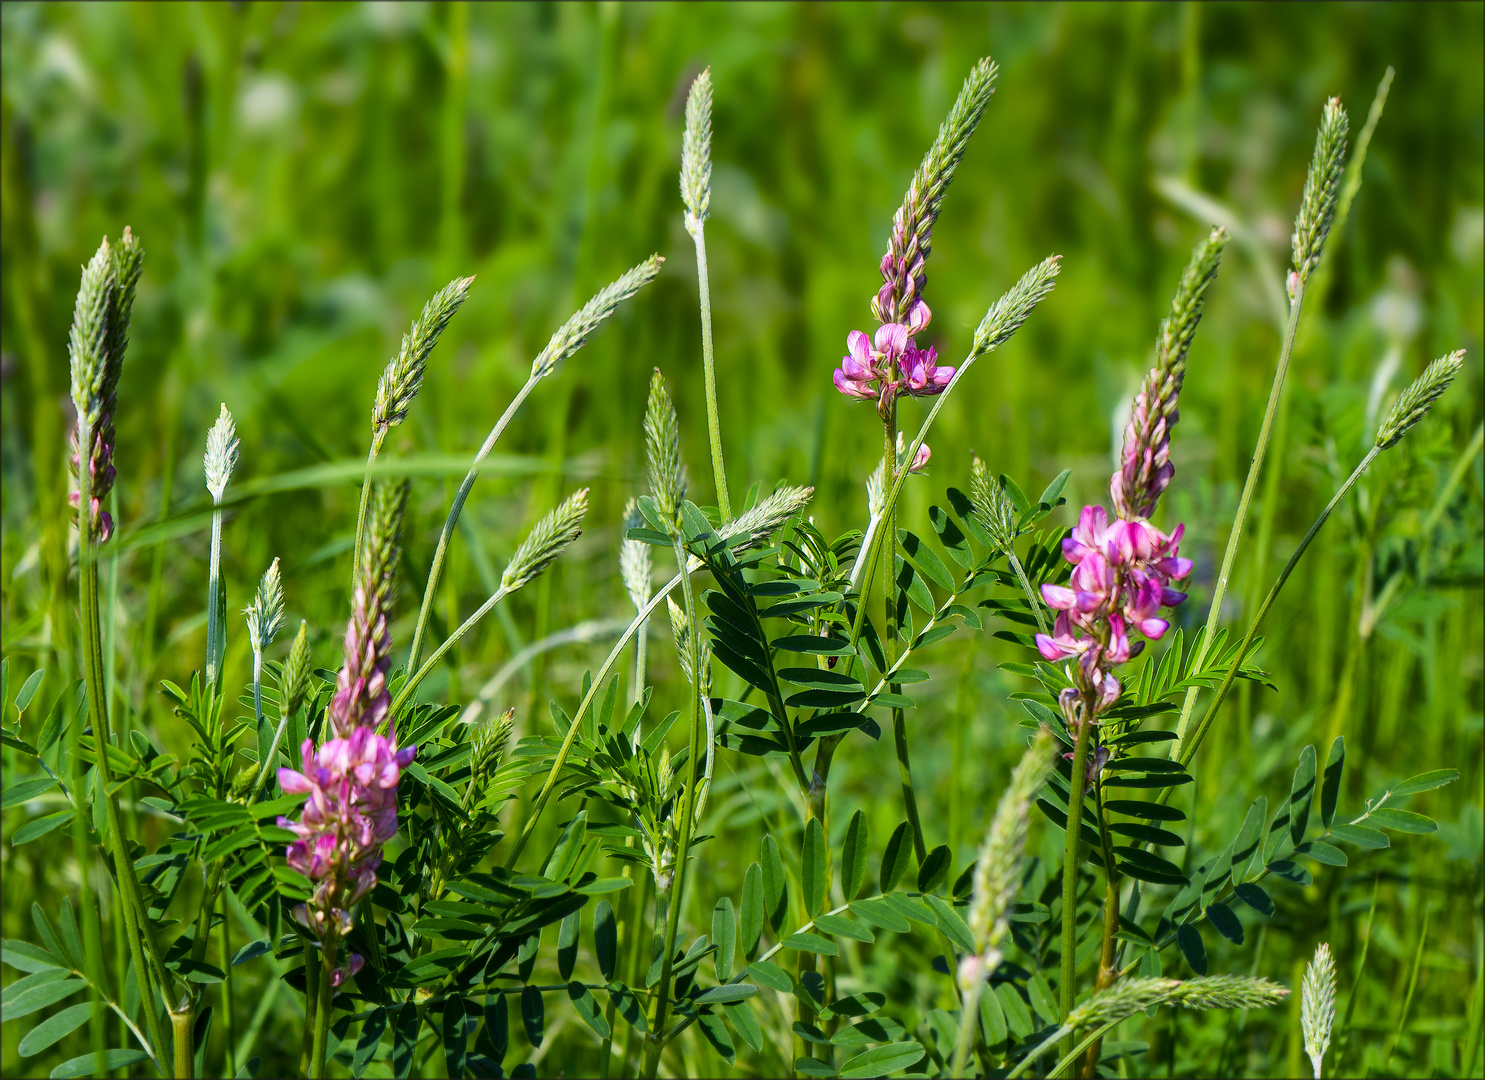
[(54, 1028), (853, 857), (883, 1060), (1330, 788), (724, 933), (813, 868)]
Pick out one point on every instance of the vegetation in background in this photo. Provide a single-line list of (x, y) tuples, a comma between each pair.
[(305, 176)]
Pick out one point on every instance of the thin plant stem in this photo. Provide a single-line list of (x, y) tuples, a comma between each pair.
[(131, 904), (713, 421), (1188, 751), (181, 1023), (653, 1045), (1229, 556), (969, 1026), (440, 554), (453, 639), (566, 748), (1107, 972), (892, 601), (230, 1068), (377, 438), (1068, 987), (311, 1007), (213, 598), (1031, 597), (326, 993)]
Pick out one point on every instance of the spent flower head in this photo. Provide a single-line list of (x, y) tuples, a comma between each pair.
[(1414, 403), (403, 376), (1322, 188), (696, 152), (571, 335), (1317, 1005), (548, 539), (221, 454)]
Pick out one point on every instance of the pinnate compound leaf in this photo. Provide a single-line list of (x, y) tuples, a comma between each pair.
[(724, 933), (1405, 821), (883, 1060), (1188, 940), (853, 857), (87, 1064), (1226, 921), (895, 858), (54, 1028), (1330, 788), (750, 917), (1425, 782), (1301, 795), (813, 868), (605, 937)]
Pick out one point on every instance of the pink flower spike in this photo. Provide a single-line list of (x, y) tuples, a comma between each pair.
[(1059, 597), (294, 783)]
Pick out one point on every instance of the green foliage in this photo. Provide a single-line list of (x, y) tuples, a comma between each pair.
[(306, 176)]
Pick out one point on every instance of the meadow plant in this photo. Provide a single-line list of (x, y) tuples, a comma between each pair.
[(406, 872)]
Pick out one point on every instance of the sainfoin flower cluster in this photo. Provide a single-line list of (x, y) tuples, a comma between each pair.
[(352, 778), (890, 362)]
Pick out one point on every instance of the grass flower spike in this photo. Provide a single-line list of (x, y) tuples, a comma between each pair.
[(1322, 189), (1317, 1006), (220, 460), (265, 615), (403, 376), (663, 451), (1414, 403), (546, 541), (696, 153)]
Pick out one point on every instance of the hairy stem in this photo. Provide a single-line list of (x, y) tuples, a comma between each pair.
[(1031, 596), (181, 1024), (713, 421), (1068, 987), (230, 1068), (1255, 467), (325, 994), (687, 794), (214, 644), (1107, 972), (435, 572), (147, 963), (311, 1006), (889, 643)]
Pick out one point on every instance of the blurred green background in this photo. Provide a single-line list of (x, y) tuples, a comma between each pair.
[(304, 176)]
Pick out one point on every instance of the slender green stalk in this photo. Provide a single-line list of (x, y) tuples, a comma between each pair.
[(969, 1027), (1068, 987), (566, 748), (1031, 597), (181, 1023), (311, 1007), (214, 647), (230, 1067), (1107, 972), (1229, 556), (688, 792), (440, 554), (1189, 748), (713, 421), (453, 639), (325, 992), (131, 903), (377, 438), (892, 600)]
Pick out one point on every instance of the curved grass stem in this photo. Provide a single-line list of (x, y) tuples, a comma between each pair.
[(713, 420)]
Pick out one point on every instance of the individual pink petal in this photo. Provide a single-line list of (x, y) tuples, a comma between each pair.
[(1059, 597), (1154, 629), (849, 388), (294, 783)]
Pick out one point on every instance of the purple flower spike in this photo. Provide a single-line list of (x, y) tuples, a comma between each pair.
[(888, 363)]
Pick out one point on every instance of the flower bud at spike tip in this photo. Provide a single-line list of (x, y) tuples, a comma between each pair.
[(696, 152), (663, 451), (403, 376), (1414, 403), (1322, 188), (221, 454), (1145, 469), (546, 541), (361, 698)]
